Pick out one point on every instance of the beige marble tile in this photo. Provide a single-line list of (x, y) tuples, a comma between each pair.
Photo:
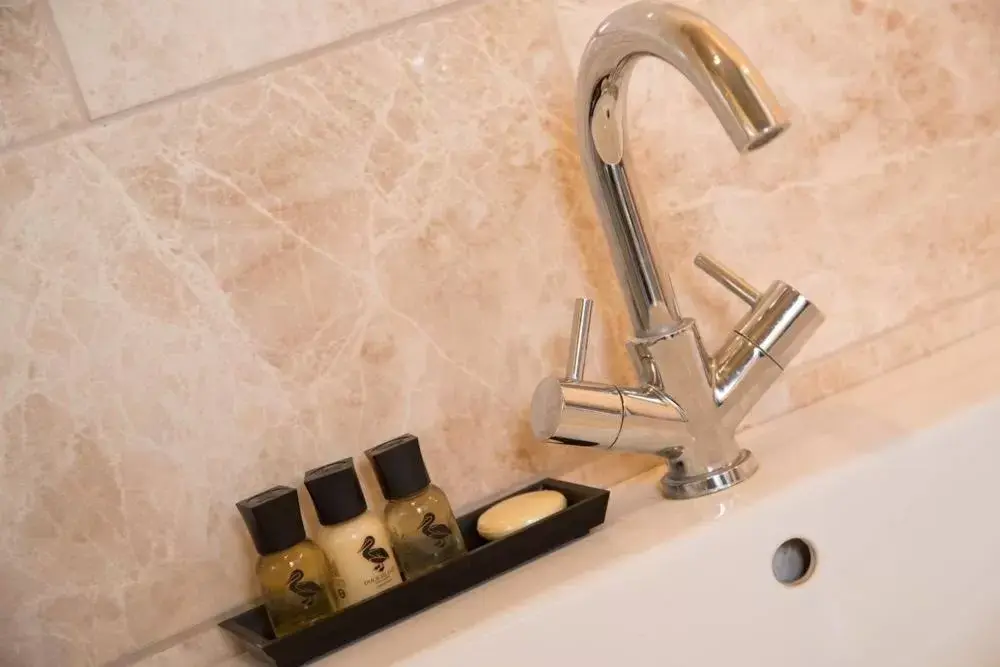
[(127, 53), (35, 91), (209, 298)]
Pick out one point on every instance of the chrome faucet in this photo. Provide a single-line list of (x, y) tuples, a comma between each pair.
[(688, 403)]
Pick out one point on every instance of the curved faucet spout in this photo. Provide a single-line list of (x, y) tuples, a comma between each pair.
[(735, 90), (688, 403)]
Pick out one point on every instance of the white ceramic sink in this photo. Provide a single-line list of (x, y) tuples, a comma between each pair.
[(908, 544), (892, 484)]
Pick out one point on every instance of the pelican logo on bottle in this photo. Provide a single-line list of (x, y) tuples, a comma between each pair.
[(436, 531), (306, 590), (374, 554)]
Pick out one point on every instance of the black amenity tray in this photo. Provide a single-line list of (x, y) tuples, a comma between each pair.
[(585, 510)]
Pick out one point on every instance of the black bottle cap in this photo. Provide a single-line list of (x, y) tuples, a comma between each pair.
[(336, 492), (399, 467), (273, 519)]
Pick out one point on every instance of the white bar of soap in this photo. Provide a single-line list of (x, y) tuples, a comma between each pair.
[(513, 514)]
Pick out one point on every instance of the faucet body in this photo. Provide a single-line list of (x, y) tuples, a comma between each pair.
[(687, 403)]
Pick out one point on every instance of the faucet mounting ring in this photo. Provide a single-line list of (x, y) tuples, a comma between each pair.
[(678, 487)]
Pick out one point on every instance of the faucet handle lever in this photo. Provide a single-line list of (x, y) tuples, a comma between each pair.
[(780, 320), (578, 338), (728, 279)]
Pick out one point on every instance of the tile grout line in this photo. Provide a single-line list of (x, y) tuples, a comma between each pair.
[(150, 650), (918, 317), (958, 340), (65, 62), (874, 339), (227, 80), (242, 76), (43, 138)]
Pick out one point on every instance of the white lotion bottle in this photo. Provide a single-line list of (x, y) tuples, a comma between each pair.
[(355, 540)]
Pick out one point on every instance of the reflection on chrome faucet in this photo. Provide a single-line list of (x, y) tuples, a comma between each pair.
[(688, 403)]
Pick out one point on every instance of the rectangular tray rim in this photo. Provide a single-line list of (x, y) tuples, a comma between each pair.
[(592, 500)]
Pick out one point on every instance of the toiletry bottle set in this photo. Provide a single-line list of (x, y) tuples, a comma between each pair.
[(357, 552)]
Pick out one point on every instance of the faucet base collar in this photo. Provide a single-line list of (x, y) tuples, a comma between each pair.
[(680, 488)]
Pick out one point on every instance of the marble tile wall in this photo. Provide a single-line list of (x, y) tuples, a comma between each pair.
[(233, 247), (36, 88), (125, 55)]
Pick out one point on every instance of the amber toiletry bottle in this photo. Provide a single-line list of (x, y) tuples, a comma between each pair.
[(418, 514), (355, 540), (293, 572)]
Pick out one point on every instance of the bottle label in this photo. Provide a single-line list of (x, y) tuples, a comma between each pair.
[(381, 561), (307, 591), (374, 554), (438, 532), (379, 581)]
